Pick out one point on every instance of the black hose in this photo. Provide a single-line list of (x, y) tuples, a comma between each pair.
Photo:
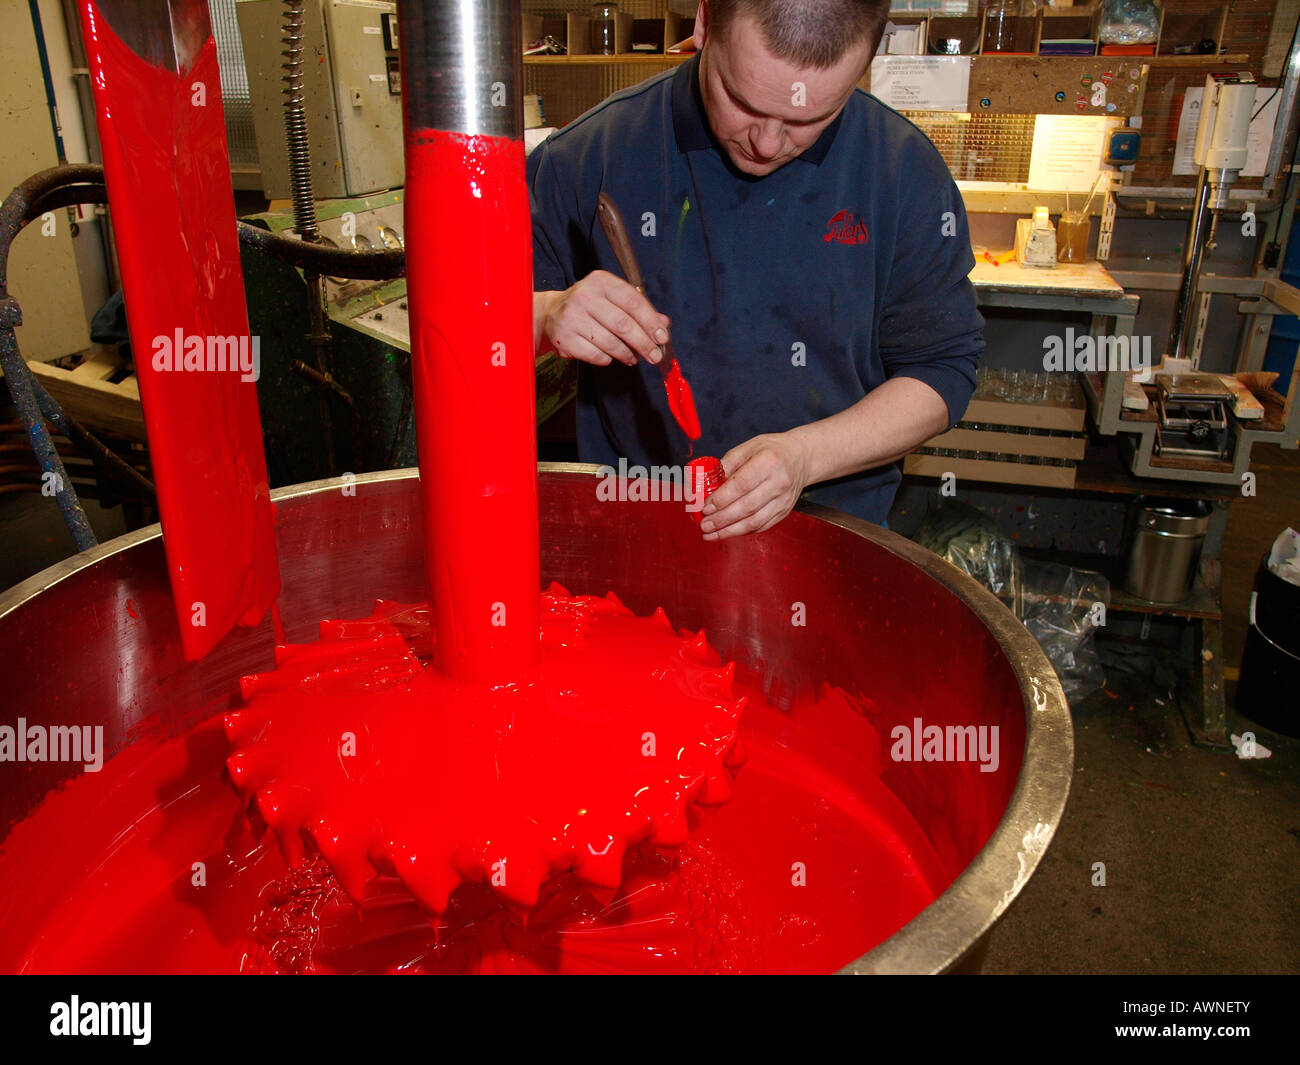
[(322, 259)]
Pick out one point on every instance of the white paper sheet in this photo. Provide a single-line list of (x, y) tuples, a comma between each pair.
[(922, 83), (1067, 152)]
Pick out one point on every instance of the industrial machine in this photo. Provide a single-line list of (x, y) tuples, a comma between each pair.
[(1193, 415), (368, 326), (1179, 421), (350, 90)]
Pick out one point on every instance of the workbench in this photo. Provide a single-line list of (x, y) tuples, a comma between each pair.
[(1103, 480)]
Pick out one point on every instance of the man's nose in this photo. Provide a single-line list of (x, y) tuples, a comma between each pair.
[(766, 138)]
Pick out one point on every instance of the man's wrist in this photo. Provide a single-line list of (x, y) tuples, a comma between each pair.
[(805, 440)]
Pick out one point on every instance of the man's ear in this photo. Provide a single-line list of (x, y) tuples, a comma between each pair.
[(701, 24)]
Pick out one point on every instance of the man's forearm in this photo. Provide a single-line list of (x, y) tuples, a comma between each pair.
[(880, 428)]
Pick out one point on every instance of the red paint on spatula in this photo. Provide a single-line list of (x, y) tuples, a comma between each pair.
[(681, 400)]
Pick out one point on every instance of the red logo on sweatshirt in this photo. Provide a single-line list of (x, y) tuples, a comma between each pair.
[(844, 228)]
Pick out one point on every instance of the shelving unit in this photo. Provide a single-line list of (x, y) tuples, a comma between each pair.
[(1178, 29), (1104, 475)]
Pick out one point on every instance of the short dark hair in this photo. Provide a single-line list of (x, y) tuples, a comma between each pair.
[(812, 33)]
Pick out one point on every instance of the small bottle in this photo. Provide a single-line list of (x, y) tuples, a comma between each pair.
[(704, 476)]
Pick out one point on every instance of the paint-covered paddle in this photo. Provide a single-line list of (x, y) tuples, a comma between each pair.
[(681, 401), (157, 93)]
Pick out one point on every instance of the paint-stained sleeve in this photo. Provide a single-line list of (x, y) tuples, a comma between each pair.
[(549, 199), (930, 327)]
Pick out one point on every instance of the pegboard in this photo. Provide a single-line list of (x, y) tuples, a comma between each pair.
[(635, 8), (1056, 85), (980, 147), (568, 89)]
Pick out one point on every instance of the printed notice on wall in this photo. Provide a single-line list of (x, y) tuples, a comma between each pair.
[(921, 83), (1258, 141), (1067, 152)]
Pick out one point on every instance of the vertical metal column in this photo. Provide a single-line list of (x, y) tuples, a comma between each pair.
[(469, 277)]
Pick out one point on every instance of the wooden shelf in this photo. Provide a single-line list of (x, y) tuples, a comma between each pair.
[(1203, 602), (1103, 472), (1234, 59), (605, 60)]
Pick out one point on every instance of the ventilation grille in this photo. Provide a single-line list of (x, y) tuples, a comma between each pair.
[(240, 139)]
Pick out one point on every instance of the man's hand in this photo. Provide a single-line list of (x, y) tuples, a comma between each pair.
[(599, 320), (765, 477)]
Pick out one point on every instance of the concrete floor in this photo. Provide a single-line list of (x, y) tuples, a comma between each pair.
[(1201, 849)]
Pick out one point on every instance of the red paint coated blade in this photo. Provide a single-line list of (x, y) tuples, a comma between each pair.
[(681, 400), (173, 212)]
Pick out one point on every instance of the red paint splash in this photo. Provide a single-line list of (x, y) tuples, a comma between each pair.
[(392, 768)]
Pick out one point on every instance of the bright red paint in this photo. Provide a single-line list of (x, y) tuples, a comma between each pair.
[(99, 898), (521, 789), (681, 401), (469, 271), (173, 216), (391, 766), (704, 476)]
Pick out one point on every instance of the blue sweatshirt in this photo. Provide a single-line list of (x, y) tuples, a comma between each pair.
[(791, 296)]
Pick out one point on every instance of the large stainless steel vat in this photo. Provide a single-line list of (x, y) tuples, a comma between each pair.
[(93, 640)]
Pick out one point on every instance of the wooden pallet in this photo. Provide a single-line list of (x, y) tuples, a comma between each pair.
[(90, 394)]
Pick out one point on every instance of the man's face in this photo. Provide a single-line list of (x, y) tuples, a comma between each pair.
[(765, 111)]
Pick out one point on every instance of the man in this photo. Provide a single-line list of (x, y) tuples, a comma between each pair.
[(804, 245)]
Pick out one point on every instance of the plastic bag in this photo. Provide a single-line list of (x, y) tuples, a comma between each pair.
[(965, 537), (1130, 22), (1060, 606), (1284, 558)]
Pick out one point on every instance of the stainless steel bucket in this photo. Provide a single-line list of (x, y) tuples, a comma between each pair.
[(93, 640), (1166, 549)]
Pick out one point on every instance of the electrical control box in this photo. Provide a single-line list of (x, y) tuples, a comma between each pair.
[(1225, 121), (351, 91)]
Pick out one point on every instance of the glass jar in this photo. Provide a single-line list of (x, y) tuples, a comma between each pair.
[(604, 28), (1010, 27), (1072, 237)]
